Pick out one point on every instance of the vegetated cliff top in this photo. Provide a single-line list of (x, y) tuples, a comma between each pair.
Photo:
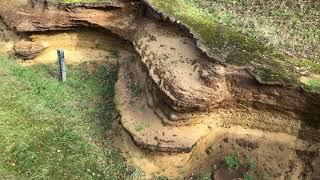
[(279, 41)]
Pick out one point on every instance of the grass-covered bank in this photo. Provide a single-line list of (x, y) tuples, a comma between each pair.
[(53, 130), (292, 26), (244, 45)]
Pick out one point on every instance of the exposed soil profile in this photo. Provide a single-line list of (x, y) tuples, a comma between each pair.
[(277, 155), (181, 112)]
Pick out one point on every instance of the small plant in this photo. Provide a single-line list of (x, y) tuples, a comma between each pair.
[(162, 178), (204, 176), (139, 127), (232, 161), (136, 89), (313, 84), (134, 86), (248, 176), (137, 174), (251, 163)]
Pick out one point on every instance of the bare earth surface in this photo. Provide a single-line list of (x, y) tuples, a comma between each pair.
[(279, 156), (79, 46)]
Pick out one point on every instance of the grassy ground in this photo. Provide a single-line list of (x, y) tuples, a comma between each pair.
[(266, 37), (49, 129), (292, 26)]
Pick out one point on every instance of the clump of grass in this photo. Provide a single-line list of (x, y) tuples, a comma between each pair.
[(203, 176), (233, 161), (162, 178), (53, 130), (248, 177), (136, 89), (139, 127), (137, 174), (134, 86), (313, 84)]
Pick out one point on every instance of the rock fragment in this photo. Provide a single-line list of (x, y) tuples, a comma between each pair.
[(27, 50)]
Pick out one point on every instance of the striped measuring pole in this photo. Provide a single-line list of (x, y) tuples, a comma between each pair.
[(62, 66)]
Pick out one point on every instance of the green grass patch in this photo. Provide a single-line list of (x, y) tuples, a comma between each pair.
[(203, 176), (226, 42), (234, 162), (313, 84), (139, 127), (292, 26), (162, 178), (136, 89), (56, 130)]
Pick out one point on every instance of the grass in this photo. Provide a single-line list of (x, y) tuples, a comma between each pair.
[(203, 176), (162, 178), (292, 26), (136, 89), (248, 177), (140, 127), (230, 40), (313, 84), (50, 130), (233, 161)]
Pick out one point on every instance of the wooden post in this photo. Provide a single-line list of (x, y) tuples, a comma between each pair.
[(62, 66)]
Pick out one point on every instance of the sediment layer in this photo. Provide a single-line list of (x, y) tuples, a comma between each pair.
[(116, 17)]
